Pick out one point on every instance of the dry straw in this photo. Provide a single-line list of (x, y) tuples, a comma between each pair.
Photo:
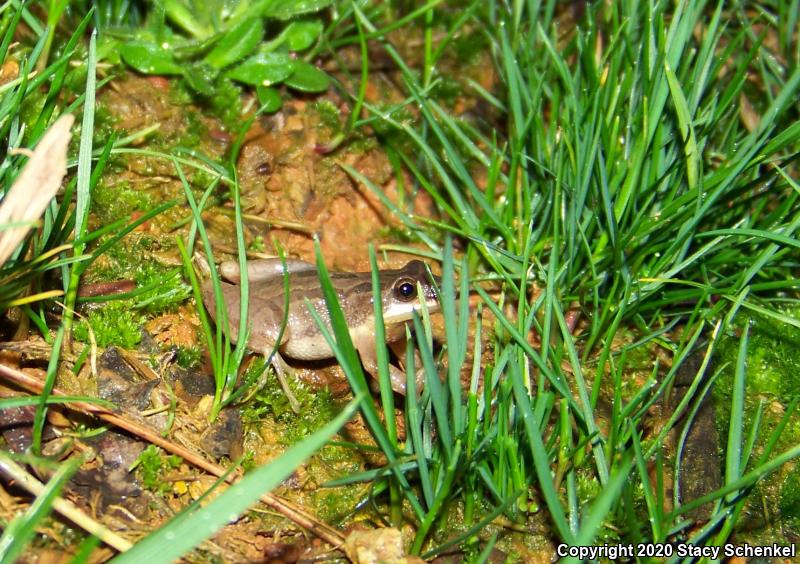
[(35, 187)]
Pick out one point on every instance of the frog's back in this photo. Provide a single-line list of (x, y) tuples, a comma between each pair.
[(353, 293), (260, 314)]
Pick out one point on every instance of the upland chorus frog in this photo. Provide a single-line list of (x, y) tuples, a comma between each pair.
[(402, 292)]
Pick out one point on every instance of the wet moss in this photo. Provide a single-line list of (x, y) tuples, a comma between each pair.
[(269, 400), (226, 104), (588, 485), (104, 127), (394, 135), (114, 324), (772, 382), (317, 407), (360, 144), (257, 244), (117, 200), (772, 372), (118, 321), (447, 90), (167, 289), (329, 116), (269, 409), (31, 108), (790, 494), (131, 259), (334, 505), (468, 48), (151, 466), (248, 461), (194, 132), (179, 93), (189, 357)]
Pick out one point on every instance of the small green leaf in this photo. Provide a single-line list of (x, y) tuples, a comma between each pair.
[(194, 48), (264, 69), (308, 78), (287, 9), (186, 18), (108, 50), (269, 98), (300, 36), (149, 58), (237, 43), (156, 29), (200, 78)]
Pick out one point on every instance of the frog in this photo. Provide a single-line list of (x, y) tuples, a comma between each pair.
[(403, 291)]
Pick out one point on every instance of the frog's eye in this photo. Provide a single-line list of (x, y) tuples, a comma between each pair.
[(406, 290)]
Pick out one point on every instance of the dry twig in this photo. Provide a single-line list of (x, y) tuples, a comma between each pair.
[(289, 510)]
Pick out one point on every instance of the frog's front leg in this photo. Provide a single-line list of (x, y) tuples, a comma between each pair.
[(263, 269), (270, 339), (281, 370), (397, 377)]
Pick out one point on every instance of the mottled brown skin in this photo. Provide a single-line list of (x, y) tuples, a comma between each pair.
[(301, 338)]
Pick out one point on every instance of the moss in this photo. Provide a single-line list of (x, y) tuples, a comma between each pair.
[(257, 245), (168, 289), (119, 200), (329, 116), (151, 466), (179, 93), (195, 131), (104, 126), (248, 461), (226, 104), (130, 259), (447, 89), (395, 135), (118, 322), (31, 108), (789, 503), (335, 504), (188, 357), (114, 324), (772, 380), (316, 406), (469, 46), (270, 399), (588, 485), (772, 368)]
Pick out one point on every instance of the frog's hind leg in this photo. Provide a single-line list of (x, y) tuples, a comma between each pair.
[(264, 269), (281, 369)]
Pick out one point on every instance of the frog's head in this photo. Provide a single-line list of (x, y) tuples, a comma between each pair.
[(404, 290)]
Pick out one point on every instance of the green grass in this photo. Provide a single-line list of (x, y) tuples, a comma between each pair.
[(621, 184), (17, 99)]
